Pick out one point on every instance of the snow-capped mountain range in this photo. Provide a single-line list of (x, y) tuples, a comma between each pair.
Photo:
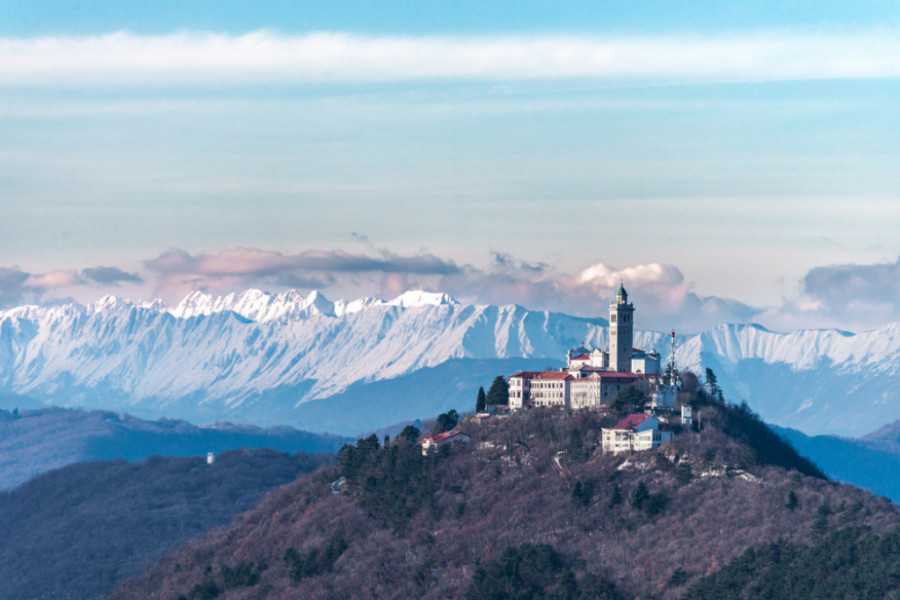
[(264, 358)]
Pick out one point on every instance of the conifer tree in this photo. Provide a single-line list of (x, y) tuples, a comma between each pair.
[(712, 383), (499, 393), (481, 402)]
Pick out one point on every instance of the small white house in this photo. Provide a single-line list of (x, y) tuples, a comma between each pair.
[(634, 433)]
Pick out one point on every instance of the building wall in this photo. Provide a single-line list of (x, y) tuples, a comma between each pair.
[(549, 392), (586, 393), (519, 392), (614, 441), (645, 364)]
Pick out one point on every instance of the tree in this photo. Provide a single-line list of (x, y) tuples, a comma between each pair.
[(792, 501), (446, 421), (689, 381), (631, 398), (713, 385), (498, 395), (481, 402), (410, 433)]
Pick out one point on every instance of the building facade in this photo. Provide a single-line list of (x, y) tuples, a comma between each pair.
[(634, 433), (593, 377)]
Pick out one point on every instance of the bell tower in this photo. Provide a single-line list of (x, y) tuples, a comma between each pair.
[(621, 331)]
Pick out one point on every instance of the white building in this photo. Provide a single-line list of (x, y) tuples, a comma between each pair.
[(591, 378), (634, 433)]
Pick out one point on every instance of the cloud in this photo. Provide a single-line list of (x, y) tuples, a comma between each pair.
[(20, 287), (666, 301), (53, 279), (266, 57), (851, 295), (179, 272), (110, 275)]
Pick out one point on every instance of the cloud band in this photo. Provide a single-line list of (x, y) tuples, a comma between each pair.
[(265, 57)]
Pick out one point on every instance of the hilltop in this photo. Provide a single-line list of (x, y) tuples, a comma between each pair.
[(529, 489)]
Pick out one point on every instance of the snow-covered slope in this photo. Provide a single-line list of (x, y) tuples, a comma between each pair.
[(255, 355)]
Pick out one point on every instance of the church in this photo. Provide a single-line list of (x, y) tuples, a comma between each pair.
[(593, 378)]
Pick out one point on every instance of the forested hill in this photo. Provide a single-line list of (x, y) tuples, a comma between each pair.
[(79, 531), (530, 505)]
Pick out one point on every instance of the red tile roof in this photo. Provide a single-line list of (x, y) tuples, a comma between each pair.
[(440, 437), (631, 421), (582, 357), (554, 375), (528, 374)]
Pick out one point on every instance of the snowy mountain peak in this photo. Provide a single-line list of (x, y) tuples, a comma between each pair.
[(417, 298), (109, 303), (194, 304), (316, 302)]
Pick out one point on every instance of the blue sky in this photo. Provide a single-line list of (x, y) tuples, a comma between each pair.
[(731, 163)]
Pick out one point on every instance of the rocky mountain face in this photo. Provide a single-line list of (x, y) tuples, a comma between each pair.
[(307, 361)]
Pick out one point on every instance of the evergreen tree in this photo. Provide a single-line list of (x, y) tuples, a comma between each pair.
[(792, 501), (629, 399), (446, 421), (481, 402), (410, 433), (713, 384), (498, 395)]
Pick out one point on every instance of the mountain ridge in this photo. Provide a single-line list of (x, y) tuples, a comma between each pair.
[(227, 357)]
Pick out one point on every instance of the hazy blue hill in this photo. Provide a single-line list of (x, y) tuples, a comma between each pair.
[(863, 463), (33, 442), (76, 532), (886, 437)]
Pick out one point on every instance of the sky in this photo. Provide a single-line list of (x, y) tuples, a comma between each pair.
[(729, 162)]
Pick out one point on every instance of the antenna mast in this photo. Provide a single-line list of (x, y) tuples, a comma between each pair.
[(673, 372)]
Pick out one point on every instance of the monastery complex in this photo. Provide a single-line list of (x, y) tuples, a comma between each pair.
[(593, 378)]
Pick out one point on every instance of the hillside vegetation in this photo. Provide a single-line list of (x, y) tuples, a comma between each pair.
[(529, 508), (79, 531)]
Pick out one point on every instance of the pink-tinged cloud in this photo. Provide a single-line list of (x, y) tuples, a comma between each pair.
[(665, 299), (178, 272), (658, 290), (20, 287), (843, 296), (53, 279)]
